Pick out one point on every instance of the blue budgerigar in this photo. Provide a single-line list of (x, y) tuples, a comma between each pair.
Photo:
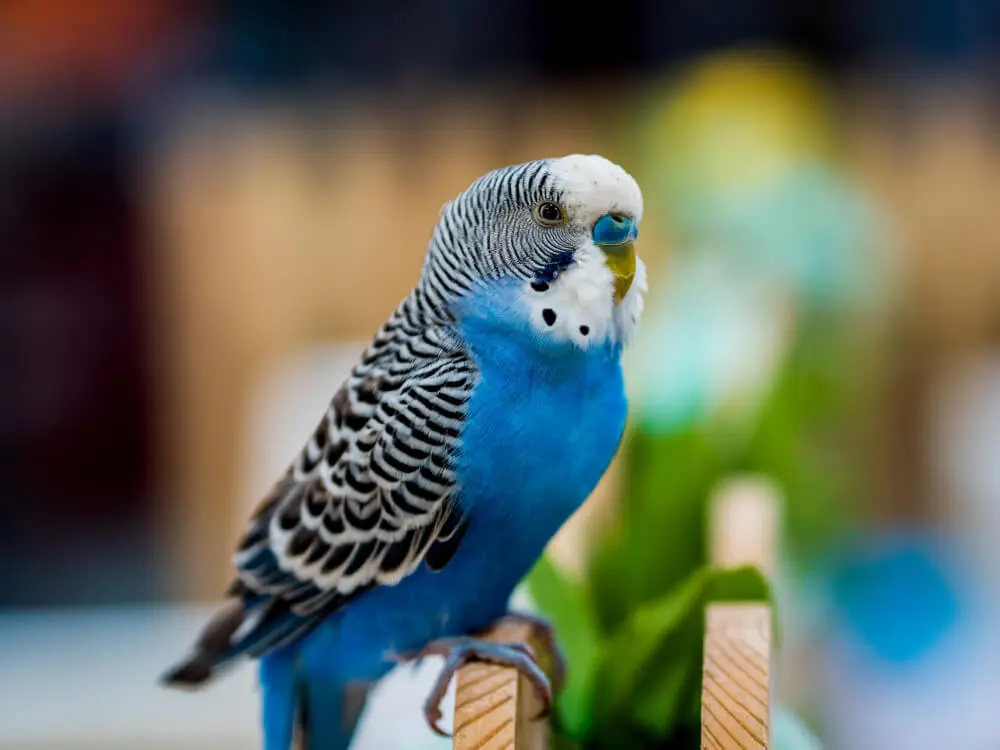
[(477, 421)]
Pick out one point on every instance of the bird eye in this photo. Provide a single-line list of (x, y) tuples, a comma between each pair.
[(549, 214)]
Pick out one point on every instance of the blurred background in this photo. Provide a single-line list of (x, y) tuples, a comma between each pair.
[(207, 208)]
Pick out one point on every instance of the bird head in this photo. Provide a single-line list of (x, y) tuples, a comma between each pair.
[(555, 239)]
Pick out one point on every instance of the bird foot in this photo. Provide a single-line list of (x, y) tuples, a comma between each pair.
[(546, 636), (461, 651)]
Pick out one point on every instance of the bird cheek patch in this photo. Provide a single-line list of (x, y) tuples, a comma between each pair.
[(557, 313), (577, 305)]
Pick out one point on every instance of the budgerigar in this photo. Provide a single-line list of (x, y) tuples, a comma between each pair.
[(477, 421)]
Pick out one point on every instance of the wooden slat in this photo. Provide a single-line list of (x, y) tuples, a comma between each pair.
[(743, 523), (736, 696), (495, 707), (736, 673)]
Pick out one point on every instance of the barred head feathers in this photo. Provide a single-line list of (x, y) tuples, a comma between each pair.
[(496, 231)]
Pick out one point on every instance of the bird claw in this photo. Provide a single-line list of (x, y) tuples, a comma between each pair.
[(461, 651), (432, 715), (546, 634)]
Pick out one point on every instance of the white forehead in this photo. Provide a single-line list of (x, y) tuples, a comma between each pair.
[(593, 186)]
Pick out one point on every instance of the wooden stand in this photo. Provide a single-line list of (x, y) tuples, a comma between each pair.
[(736, 672), (495, 707)]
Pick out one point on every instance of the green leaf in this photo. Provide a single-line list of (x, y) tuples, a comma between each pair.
[(666, 701), (743, 584), (648, 671), (566, 603), (659, 538), (561, 742), (644, 654)]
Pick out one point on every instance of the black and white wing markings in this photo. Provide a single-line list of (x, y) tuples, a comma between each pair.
[(372, 495)]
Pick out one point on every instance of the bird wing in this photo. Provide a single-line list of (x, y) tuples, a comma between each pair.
[(370, 497), (372, 494)]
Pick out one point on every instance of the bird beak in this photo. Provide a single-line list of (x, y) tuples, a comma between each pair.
[(615, 235)]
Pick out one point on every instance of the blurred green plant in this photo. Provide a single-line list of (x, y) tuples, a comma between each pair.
[(756, 357), (640, 680)]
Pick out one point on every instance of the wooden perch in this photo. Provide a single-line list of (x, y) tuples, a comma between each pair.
[(736, 671), (495, 707)]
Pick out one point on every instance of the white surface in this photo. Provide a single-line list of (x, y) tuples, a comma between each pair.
[(75, 679), (91, 677)]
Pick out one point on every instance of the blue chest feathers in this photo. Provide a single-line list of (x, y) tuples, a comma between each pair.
[(544, 422)]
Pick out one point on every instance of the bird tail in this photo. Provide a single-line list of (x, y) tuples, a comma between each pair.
[(214, 640), (250, 627), (307, 713)]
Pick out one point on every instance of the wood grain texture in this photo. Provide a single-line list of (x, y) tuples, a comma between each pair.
[(736, 668), (495, 707), (736, 695)]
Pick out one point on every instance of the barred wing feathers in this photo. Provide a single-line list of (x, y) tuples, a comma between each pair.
[(370, 497)]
